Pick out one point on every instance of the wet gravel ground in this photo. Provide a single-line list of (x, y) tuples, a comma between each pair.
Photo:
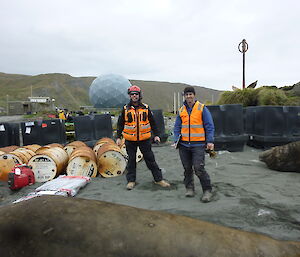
[(247, 195)]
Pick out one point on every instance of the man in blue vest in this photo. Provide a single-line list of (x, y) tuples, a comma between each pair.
[(194, 129)]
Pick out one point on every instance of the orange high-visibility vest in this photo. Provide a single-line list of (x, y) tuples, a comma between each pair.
[(137, 126), (192, 125)]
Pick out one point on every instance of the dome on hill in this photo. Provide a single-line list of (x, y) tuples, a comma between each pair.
[(109, 91)]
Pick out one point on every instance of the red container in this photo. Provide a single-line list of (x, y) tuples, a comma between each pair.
[(20, 176)]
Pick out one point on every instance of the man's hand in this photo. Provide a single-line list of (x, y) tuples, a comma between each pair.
[(210, 149), (210, 146), (156, 139), (119, 142)]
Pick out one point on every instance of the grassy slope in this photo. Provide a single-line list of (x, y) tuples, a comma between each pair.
[(160, 95), (71, 92)]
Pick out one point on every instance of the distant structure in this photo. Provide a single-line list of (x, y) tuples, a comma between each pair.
[(32, 105), (109, 91)]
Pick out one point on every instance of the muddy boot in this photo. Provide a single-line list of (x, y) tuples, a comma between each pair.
[(163, 183), (206, 197), (190, 192), (130, 185)]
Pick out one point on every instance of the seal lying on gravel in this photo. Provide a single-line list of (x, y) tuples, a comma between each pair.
[(62, 226), (283, 158)]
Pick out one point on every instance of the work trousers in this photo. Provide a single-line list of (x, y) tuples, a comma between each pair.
[(145, 147), (192, 159)]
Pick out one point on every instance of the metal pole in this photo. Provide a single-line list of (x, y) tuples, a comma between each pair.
[(178, 101), (243, 47), (6, 104), (243, 70)]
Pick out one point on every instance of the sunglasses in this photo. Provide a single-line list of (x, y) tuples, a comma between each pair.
[(134, 93)]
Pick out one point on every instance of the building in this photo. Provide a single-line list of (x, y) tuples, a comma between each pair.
[(32, 105)]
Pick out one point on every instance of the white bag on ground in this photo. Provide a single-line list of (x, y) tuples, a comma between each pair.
[(63, 183), (36, 194)]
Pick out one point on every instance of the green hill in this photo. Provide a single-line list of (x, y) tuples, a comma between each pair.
[(160, 95), (72, 92)]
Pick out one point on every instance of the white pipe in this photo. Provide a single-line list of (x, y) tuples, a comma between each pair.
[(174, 106)]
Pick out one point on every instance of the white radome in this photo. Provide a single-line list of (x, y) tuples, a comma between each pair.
[(109, 91)]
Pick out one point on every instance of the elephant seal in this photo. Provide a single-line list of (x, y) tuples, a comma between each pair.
[(60, 226), (283, 158)]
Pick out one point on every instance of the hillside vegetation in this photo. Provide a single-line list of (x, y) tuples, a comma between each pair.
[(72, 92), (266, 95)]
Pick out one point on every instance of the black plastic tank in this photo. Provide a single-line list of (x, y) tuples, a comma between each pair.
[(31, 132), (90, 128), (15, 133), (270, 126), (53, 131), (103, 126), (160, 123), (84, 128), (5, 134), (229, 127)]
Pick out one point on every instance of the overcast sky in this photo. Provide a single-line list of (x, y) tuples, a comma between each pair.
[(188, 41)]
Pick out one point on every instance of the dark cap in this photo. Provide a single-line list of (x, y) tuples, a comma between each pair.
[(189, 89)]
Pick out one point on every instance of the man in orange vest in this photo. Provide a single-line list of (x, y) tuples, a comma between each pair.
[(135, 124), (194, 129)]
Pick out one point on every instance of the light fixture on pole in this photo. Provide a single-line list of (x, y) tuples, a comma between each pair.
[(243, 48)]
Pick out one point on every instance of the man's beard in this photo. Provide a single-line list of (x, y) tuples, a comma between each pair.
[(135, 101)]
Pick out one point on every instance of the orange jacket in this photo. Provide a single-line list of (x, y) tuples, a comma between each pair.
[(137, 126), (192, 125), (61, 115)]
